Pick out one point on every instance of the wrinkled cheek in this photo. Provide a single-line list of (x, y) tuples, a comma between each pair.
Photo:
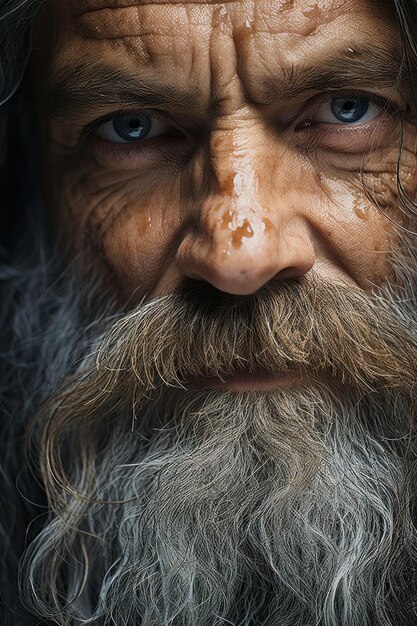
[(393, 192), (119, 222), (391, 183), (406, 189), (138, 240), (69, 203), (356, 232)]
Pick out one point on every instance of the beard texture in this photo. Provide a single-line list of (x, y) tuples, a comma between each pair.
[(171, 504)]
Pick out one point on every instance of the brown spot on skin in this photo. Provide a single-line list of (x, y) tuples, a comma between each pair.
[(359, 209), (360, 213), (143, 223), (227, 222), (228, 185), (238, 232), (268, 225), (243, 34), (241, 232), (313, 13), (313, 16)]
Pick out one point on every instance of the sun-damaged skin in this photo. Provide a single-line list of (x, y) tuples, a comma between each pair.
[(251, 184)]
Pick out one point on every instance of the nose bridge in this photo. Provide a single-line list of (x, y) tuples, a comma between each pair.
[(235, 210), (234, 169), (233, 157), (241, 242)]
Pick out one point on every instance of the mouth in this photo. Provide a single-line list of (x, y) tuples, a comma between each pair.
[(243, 381)]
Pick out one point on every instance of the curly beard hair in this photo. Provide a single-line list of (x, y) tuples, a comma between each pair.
[(151, 500)]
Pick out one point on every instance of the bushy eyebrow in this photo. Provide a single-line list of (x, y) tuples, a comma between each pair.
[(374, 68), (85, 87)]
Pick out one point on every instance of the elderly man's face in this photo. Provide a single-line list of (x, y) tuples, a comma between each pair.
[(226, 142)]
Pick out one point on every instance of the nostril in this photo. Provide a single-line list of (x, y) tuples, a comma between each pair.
[(289, 273), (243, 257)]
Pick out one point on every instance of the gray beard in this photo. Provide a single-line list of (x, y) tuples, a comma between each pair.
[(287, 508), (292, 508)]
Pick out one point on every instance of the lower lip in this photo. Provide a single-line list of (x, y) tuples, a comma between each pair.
[(257, 381)]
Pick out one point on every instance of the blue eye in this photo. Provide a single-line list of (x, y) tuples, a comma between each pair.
[(346, 111), (349, 110), (131, 128)]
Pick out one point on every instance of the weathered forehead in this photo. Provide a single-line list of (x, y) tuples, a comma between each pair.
[(190, 23), (274, 14), (166, 27), (214, 48), (76, 6)]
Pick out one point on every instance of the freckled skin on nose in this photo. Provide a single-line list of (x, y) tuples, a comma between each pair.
[(238, 233), (239, 227)]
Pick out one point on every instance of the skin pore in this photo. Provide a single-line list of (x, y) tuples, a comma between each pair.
[(246, 173)]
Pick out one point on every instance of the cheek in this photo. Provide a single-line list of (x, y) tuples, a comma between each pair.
[(391, 181), (406, 195), (354, 230), (361, 212), (137, 234), (123, 223)]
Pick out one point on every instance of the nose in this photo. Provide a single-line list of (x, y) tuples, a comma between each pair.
[(245, 234)]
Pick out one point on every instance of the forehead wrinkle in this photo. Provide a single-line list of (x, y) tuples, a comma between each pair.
[(297, 15), (123, 21), (129, 22), (146, 38), (96, 6), (101, 16), (148, 23)]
